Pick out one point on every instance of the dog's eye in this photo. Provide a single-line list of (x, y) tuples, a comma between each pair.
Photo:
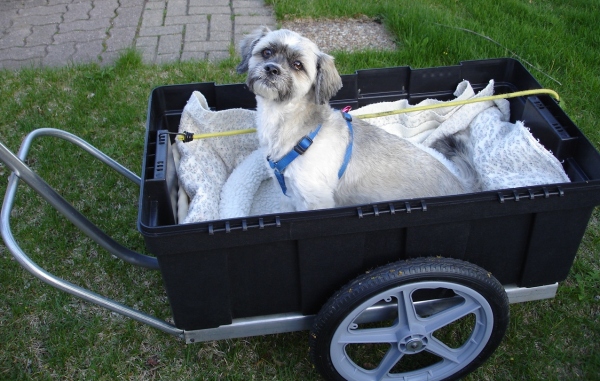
[(267, 53), (297, 65)]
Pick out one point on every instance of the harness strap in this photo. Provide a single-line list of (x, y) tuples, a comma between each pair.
[(348, 154), (303, 145), (280, 165)]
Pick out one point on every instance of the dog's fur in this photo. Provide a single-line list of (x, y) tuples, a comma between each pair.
[(293, 82)]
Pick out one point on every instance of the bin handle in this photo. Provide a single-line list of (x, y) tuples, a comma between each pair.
[(23, 172)]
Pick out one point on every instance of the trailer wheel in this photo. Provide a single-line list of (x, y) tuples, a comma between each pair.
[(420, 319)]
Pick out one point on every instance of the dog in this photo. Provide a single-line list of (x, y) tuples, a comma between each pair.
[(319, 157)]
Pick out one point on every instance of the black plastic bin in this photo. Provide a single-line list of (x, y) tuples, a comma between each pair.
[(216, 271)]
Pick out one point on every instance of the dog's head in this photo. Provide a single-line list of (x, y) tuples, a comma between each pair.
[(282, 65)]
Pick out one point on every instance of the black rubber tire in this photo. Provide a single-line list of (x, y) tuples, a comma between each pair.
[(472, 282)]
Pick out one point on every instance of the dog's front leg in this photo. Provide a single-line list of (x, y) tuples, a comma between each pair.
[(314, 203), (311, 193)]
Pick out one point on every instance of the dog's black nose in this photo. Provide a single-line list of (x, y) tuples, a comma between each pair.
[(271, 69)]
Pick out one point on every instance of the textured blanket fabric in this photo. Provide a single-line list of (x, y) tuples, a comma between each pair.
[(224, 177), (227, 177), (505, 154)]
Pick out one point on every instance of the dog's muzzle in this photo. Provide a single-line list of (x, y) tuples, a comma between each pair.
[(272, 69)]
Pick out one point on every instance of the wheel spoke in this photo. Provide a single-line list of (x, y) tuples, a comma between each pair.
[(451, 315), (407, 317), (390, 359), (365, 336), (440, 349)]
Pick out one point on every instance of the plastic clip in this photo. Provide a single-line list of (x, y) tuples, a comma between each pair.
[(187, 136)]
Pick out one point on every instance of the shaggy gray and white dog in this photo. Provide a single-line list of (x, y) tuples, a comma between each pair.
[(293, 82)]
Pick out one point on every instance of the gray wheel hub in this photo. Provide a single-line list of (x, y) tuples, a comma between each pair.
[(412, 344)]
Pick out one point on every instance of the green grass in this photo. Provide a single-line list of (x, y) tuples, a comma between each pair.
[(46, 334)]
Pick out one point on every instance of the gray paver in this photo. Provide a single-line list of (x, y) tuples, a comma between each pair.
[(170, 44), (78, 11), (42, 10), (60, 32), (197, 32), (209, 10), (81, 25), (127, 17), (59, 54), (41, 35), (15, 38), (120, 39), (87, 51), (79, 36), (22, 21), (207, 3)]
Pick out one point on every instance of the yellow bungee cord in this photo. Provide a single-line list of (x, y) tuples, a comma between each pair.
[(186, 136)]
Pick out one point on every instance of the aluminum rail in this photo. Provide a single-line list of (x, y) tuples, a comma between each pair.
[(22, 171)]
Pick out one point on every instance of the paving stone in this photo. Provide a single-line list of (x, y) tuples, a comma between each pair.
[(206, 46), (120, 38), (59, 54), (166, 58), (42, 10), (77, 36), (176, 8), (104, 8), (6, 18), (78, 11), (25, 53), (148, 53), (132, 3), (170, 44), (19, 22), (54, 2), (152, 18), (156, 5), (254, 20), (221, 36), (219, 55), (14, 64), (247, 3), (208, 3), (87, 51), (196, 32), (147, 41), (190, 56), (252, 12), (82, 25), (55, 32), (127, 17), (161, 30), (15, 38), (41, 35), (209, 10), (220, 23), (180, 20)]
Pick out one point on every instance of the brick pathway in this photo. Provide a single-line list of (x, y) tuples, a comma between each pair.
[(60, 32)]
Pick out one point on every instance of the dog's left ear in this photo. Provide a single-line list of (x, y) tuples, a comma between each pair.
[(328, 80), (247, 45)]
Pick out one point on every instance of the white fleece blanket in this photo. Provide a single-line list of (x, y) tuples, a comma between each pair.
[(227, 177)]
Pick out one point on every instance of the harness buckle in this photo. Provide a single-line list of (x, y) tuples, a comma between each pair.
[(303, 145)]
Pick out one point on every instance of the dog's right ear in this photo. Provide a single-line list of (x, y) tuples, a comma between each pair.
[(247, 45)]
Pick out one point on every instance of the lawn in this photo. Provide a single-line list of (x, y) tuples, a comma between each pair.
[(46, 334)]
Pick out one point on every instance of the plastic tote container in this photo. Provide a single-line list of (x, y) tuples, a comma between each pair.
[(216, 271)]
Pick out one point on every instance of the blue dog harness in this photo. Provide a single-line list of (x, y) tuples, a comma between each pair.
[(299, 149)]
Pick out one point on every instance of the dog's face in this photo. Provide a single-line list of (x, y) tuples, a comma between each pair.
[(282, 65)]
